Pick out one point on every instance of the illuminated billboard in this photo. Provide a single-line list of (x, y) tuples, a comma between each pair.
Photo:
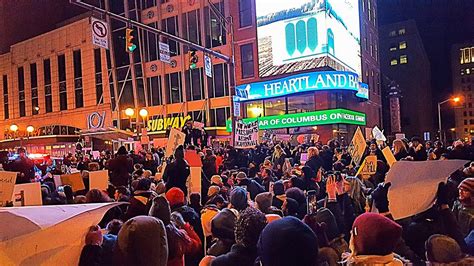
[(295, 35)]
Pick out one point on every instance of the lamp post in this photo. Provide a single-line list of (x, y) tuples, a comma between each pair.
[(144, 114), (30, 130), (455, 100), (129, 112)]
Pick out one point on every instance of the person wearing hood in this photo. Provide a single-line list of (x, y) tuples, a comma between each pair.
[(298, 195), (177, 172), (441, 249), (248, 227), (309, 179), (182, 239), (287, 241), (222, 225), (373, 241), (279, 194), (120, 168), (142, 241), (142, 199), (463, 208), (253, 187), (110, 241), (92, 253)]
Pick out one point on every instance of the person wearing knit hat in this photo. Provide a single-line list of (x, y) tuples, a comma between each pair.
[(287, 241), (443, 249), (238, 198), (175, 196), (212, 191), (92, 252), (264, 202), (463, 208), (373, 240), (216, 180)]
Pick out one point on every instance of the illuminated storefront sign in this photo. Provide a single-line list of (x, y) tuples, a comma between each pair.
[(323, 117), (160, 124), (314, 81)]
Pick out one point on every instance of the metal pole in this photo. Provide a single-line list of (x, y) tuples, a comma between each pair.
[(439, 123), (151, 29)]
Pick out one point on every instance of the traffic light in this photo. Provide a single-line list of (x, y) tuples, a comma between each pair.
[(193, 59), (129, 42)]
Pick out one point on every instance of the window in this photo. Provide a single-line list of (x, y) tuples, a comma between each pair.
[(403, 59), (48, 99), (151, 44), (245, 13), (173, 88), (194, 84), (276, 106), (246, 55), (470, 113), (21, 91), (34, 89), (218, 85), (392, 33), (469, 105), (214, 29), (170, 25), (6, 112), (401, 31), (254, 109), (154, 91), (301, 103), (99, 89), (465, 113), (62, 82), (471, 121), (393, 62), (192, 26), (465, 122), (78, 91), (393, 47), (219, 116), (402, 45)]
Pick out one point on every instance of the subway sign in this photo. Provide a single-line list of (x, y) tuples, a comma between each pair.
[(306, 82), (161, 124), (323, 117)]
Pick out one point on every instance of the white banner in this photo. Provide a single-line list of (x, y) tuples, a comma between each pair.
[(7, 182), (246, 135)]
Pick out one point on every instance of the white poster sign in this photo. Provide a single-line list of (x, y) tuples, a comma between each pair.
[(175, 139), (420, 181), (7, 182), (164, 52), (28, 194), (378, 134), (100, 32), (246, 135)]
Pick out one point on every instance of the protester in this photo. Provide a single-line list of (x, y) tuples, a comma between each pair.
[(177, 172)]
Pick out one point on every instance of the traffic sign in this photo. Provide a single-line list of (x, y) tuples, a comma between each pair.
[(164, 52), (100, 32), (208, 65)]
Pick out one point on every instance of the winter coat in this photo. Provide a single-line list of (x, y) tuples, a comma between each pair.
[(191, 217), (209, 166), (120, 168), (180, 242), (222, 228), (140, 204), (464, 217), (176, 175), (373, 260), (401, 154), (238, 256), (253, 187), (418, 155), (91, 255), (314, 163), (150, 165)]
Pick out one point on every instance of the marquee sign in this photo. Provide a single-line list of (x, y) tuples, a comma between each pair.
[(160, 124), (306, 82)]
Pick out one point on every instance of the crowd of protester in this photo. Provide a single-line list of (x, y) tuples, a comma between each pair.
[(253, 208)]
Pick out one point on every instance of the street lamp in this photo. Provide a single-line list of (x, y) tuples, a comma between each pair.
[(455, 100), (14, 128), (143, 113), (129, 112)]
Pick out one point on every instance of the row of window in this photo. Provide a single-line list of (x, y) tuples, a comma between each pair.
[(400, 46), (467, 55), (367, 6), (467, 71), (396, 61), (398, 32)]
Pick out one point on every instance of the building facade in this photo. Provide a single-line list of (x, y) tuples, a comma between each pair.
[(462, 61), (67, 89), (405, 63)]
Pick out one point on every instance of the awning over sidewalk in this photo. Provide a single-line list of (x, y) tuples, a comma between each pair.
[(106, 133)]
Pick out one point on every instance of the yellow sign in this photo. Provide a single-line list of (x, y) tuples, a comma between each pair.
[(368, 167), (387, 153), (357, 147), (74, 180), (161, 124)]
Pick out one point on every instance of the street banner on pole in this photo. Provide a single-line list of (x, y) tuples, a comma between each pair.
[(236, 107), (388, 154), (368, 167), (208, 65), (176, 138), (246, 135), (164, 52), (100, 32), (7, 183), (357, 147)]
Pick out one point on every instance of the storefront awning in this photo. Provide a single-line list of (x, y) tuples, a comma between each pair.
[(106, 133)]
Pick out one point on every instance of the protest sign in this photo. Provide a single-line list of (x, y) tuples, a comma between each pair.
[(357, 147), (368, 133), (96, 154), (368, 167), (388, 154), (47, 235), (419, 181), (175, 139), (99, 179), (246, 135), (7, 182), (378, 134), (303, 158), (57, 180), (74, 180), (400, 136), (28, 194)]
